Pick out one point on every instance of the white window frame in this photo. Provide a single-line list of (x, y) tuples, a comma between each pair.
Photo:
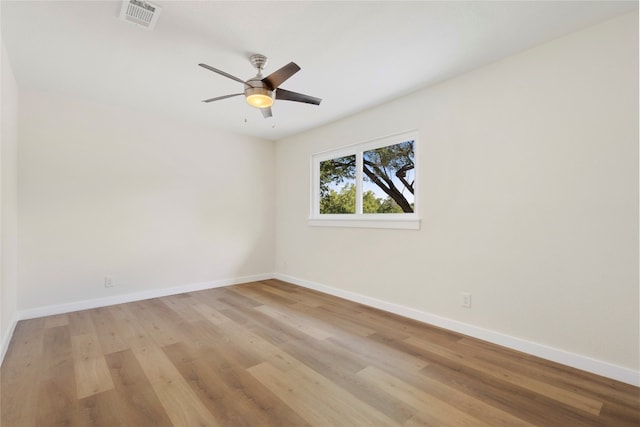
[(407, 221)]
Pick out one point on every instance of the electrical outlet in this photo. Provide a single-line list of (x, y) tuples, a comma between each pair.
[(108, 282), (465, 299)]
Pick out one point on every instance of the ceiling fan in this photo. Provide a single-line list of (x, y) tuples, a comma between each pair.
[(259, 91)]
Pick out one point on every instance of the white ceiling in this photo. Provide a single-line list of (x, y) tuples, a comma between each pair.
[(353, 55)]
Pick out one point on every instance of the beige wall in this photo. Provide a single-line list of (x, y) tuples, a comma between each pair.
[(528, 196), (153, 202), (8, 202)]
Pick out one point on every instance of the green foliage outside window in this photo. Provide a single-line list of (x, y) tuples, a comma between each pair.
[(386, 171), (344, 202)]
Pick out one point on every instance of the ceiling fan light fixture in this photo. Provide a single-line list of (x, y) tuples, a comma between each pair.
[(259, 97)]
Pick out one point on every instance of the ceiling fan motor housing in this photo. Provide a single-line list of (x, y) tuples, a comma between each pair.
[(257, 93)]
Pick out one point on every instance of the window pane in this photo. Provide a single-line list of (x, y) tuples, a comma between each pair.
[(389, 176), (338, 185)]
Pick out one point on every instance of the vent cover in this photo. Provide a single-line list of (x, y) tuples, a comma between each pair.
[(140, 13)]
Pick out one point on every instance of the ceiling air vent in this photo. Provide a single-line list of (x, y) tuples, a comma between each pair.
[(140, 13)]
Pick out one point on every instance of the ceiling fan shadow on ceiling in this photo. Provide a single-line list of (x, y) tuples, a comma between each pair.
[(259, 91)]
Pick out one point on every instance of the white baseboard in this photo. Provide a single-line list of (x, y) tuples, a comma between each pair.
[(7, 338), (135, 296), (573, 360)]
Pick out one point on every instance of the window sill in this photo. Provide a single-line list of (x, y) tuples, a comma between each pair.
[(393, 223)]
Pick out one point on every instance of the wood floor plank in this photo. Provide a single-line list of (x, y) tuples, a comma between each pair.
[(21, 369), (57, 320), (258, 322), (583, 382), (211, 390), (271, 353), (519, 402), (57, 403), (235, 344), (228, 392), (140, 404), (80, 323), (444, 413), (91, 371), (92, 377), (25, 349), (57, 394), (380, 354), (158, 320), (340, 366), (584, 403), (183, 307), (304, 324), (210, 314), (614, 414), (425, 389), (248, 343), (178, 399), (260, 295), (341, 320), (314, 399), (104, 409), (128, 326), (57, 355), (107, 330), (272, 287)]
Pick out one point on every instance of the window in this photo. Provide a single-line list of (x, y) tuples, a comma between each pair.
[(371, 184)]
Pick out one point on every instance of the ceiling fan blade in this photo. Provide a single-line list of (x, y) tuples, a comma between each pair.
[(266, 112), (222, 73), (278, 77), (287, 95), (217, 98)]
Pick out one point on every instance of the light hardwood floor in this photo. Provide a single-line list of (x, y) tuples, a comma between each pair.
[(271, 353)]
